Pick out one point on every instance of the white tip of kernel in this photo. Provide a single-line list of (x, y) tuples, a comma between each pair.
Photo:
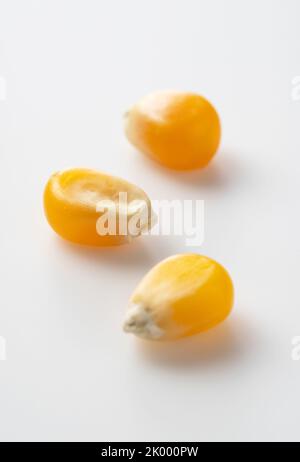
[(139, 321)]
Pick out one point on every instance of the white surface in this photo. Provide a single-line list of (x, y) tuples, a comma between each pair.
[(72, 68)]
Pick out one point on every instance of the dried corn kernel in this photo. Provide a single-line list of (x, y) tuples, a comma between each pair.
[(181, 296), (79, 202), (180, 130)]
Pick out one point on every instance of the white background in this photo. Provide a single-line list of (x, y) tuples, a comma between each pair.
[(72, 68)]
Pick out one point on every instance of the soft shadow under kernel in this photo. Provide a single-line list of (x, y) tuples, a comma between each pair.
[(142, 251), (230, 341), (221, 173)]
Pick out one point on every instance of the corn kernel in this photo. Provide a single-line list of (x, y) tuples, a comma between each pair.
[(71, 201), (179, 130), (181, 296)]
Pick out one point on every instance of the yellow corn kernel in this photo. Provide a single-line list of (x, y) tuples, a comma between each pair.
[(179, 130), (71, 203), (181, 296)]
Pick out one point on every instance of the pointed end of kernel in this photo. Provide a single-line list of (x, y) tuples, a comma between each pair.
[(138, 321)]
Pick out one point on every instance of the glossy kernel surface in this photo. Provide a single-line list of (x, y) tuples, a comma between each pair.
[(179, 130), (70, 204), (181, 296)]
